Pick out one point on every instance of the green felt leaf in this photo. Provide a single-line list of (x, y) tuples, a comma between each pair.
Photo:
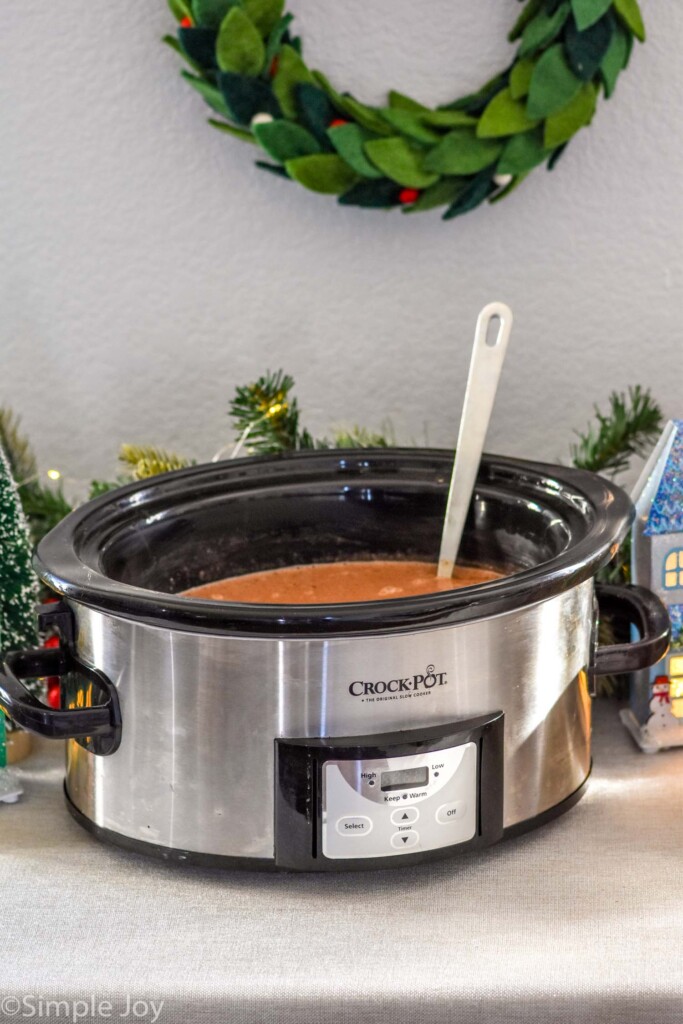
[(543, 29), (399, 101), (586, 50), (555, 156), (530, 11), (522, 153), (629, 12), (275, 169), (476, 192), (366, 116), (372, 195), (504, 116), (322, 172), (448, 118), (349, 140), (445, 190), (615, 59), (239, 133), (553, 84), (461, 152), (239, 47), (265, 14), (276, 36), (409, 123), (247, 97), (333, 96), (587, 12), (520, 77), (400, 161), (503, 192), (315, 111), (199, 45), (477, 101), (212, 95), (179, 9), (174, 44), (291, 72), (210, 13), (284, 140), (560, 127)]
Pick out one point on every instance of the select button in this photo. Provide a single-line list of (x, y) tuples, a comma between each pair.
[(358, 826)]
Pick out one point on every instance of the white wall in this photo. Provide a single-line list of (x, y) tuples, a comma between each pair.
[(147, 267)]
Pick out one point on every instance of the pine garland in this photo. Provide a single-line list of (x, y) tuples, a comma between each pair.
[(630, 428), (267, 415), (360, 437), (43, 506), (22, 461), (266, 420), (147, 461)]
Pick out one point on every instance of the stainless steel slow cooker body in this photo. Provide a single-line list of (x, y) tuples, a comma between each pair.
[(262, 736)]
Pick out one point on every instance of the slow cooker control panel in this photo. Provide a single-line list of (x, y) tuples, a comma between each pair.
[(412, 795), (387, 807)]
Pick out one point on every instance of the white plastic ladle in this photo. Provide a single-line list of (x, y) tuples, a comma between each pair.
[(482, 384)]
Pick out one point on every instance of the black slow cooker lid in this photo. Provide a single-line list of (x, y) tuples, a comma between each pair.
[(131, 551)]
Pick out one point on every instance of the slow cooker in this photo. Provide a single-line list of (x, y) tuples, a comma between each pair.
[(328, 737)]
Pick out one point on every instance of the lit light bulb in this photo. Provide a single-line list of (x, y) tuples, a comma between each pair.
[(54, 474)]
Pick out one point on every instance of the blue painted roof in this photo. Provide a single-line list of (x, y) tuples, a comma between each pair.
[(666, 511)]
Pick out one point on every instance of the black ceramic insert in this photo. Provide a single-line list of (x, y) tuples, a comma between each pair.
[(132, 550)]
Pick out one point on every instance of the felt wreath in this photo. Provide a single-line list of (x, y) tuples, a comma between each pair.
[(249, 68)]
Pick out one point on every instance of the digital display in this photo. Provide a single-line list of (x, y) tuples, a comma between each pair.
[(406, 778)]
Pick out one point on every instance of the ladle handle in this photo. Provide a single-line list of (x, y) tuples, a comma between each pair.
[(482, 383)]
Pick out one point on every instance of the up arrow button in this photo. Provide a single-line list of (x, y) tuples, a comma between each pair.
[(404, 816)]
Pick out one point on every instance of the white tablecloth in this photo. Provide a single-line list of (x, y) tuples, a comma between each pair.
[(581, 921)]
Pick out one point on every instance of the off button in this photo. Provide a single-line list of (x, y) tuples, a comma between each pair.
[(359, 826), (451, 812)]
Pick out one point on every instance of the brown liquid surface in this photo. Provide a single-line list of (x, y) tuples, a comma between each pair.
[(339, 583)]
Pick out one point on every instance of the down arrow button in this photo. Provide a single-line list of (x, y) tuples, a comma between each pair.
[(405, 840)]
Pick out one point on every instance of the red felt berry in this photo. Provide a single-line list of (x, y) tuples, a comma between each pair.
[(408, 195), (338, 122), (186, 22)]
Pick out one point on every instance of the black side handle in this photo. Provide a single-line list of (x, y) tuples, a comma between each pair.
[(640, 607), (96, 726)]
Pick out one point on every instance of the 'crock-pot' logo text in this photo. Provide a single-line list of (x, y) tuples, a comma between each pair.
[(397, 689)]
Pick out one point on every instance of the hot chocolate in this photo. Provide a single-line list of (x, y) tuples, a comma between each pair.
[(339, 583)]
